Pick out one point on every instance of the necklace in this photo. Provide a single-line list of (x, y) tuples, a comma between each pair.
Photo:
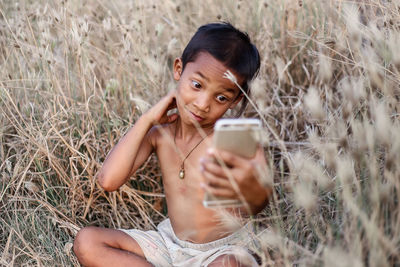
[(182, 170)]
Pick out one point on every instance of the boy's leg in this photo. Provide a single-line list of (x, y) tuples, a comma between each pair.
[(96, 246), (234, 257), (226, 260)]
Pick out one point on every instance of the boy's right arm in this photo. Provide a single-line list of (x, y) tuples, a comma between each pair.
[(136, 146)]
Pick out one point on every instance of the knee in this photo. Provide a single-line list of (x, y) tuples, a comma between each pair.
[(232, 260), (84, 243), (226, 260)]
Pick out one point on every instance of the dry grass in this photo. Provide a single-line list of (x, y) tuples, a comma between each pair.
[(73, 79)]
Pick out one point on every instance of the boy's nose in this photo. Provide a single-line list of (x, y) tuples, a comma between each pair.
[(202, 103)]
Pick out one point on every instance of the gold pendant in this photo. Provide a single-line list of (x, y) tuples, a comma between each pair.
[(182, 173)]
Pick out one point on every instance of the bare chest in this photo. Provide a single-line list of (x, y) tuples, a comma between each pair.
[(180, 166)]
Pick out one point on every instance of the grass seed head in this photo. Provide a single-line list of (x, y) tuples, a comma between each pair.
[(335, 256), (270, 239), (304, 196), (383, 124), (31, 186), (313, 103), (345, 170), (393, 43), (325, 67), (353, 24)]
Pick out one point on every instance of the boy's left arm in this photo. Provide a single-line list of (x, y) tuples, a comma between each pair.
[(252, 177)]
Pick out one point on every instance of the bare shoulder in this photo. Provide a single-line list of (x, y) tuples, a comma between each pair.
[(159, 133)]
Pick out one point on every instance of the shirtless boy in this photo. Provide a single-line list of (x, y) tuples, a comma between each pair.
[(193, 235)]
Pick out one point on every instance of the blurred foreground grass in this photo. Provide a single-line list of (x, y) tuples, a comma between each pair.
[(76, 75)]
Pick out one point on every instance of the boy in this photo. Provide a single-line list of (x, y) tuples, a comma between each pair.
[(193, 235)]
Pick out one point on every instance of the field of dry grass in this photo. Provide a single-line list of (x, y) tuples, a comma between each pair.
[(75, 75)]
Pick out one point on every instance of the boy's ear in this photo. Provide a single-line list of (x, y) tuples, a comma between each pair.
[(236, 101), (178, 68)]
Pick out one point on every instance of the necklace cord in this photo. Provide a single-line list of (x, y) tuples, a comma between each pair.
[(182, 171)]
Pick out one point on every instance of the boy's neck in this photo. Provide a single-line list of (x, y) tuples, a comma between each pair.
[(189, 132)]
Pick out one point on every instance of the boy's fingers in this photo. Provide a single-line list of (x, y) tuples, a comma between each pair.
[(214, 181), (212, 167), (219, 192), (170, 100), (227, 157), (171, 106), (172, 103)]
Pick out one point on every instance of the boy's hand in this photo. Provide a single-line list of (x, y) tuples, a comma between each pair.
[(158, 113), (247, 173)]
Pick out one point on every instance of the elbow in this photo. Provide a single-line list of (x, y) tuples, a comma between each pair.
[(263, 201), (268, 196), (105, 182), (269, 193)]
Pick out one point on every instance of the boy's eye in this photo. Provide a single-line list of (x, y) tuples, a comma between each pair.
[(222, 98), (196, 84)]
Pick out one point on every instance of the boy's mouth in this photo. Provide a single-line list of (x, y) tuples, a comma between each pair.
[(197, 118)]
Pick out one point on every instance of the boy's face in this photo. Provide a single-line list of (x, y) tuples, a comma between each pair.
[(203, 94)]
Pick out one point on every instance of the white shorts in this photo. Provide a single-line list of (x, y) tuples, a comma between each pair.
[(162, 248)]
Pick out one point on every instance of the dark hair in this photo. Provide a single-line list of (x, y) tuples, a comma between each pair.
[(230, 46)]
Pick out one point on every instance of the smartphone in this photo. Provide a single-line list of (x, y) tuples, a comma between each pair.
[(238, 136)]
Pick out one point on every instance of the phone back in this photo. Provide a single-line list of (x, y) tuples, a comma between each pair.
[(239, 136)]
